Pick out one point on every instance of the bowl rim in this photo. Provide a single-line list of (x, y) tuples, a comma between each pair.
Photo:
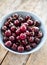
[(41, 43)]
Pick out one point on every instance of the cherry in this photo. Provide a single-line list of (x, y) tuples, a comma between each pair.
[(27, 33), (15, 16), (24, 42), (33, 45), (5, 39), (4, 28), (31, 39), (28, 48), (37, 40), (14, 47), (30, 22), (13, 34), (7, 23), (17, 31), (22, 36), (7, 33), (13, 28), (36, 23), (32, 33), (11, 24), (20, 48), (17, 37), (16, 22), (20, 19), (12, 38), (40, 34), (9, 19), (26, 24), (23, 28), (35, 29), (8, 43), (27, 17)]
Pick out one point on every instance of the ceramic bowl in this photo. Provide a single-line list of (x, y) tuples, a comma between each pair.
[(36, 17)]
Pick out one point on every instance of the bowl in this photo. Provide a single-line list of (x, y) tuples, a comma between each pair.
[(36, 17)]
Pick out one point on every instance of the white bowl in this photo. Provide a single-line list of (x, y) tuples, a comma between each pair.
[(24, 14)]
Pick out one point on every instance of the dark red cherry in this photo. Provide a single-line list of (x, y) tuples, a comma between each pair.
[(8, 43), (28, 48), (22, 36), (13, 28), (40, 34), (18, 31), (23, 28), (4, 28), (7, 33), (12, 38), (31, 39), (14, 47), (20, 48), (16, 22), (30, 22)]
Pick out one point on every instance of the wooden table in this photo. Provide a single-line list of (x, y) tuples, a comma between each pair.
[(40, 8)]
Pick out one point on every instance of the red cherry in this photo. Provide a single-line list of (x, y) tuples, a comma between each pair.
[(8, 44), (30, 22), (14, 47), (24, 42), (13, 28), (23, 28), (16, 22), (13, 34), (35, 29), (37, 40), (32, 33), (7, 23), (36, 23), (27, 33), (22, 36), (5, 39), (20, 48), (28, 47), (4, 28), (31, 39), (17, 31), (20, 19), (11, 24), (7, 33), (9, 19), (12, 38), (26, 24), (27, 17), (33, 45), (17, 37), (40, 34), (15, 16)]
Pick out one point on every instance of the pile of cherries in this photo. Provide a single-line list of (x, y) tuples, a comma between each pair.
[(21, 33)]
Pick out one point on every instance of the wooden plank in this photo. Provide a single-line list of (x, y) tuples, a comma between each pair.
[(2, 53), (39, 57), (15, 58)]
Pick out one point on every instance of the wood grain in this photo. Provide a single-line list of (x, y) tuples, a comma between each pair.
[(13, 59), (2, 53)]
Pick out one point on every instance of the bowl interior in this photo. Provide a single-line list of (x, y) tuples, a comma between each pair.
[(34, 16)]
